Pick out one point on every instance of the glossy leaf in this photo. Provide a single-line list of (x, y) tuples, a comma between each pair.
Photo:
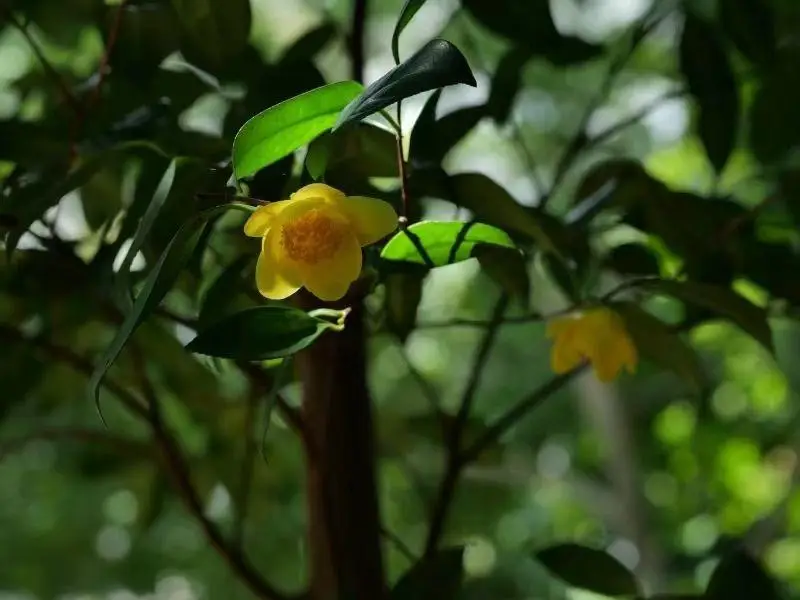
[(740, 577), (723, 301), (657, 343), (711, 81), (750, 24), (259, 333), (437, 64), (407, 13), (285, 127), (440, 238), (439, 577), (589, 569)]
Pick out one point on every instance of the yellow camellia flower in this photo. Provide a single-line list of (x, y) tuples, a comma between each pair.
[(314, 240), (597, 335)]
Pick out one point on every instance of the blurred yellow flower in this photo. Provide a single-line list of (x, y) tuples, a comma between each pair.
[(314, 240), (597, 335)]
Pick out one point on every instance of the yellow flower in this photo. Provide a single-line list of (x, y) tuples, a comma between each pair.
[(314, 240), (597, 335)]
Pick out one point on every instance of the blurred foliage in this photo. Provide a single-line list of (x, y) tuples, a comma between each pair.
[(640, 152)]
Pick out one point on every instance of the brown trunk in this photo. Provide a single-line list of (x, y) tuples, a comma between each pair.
[(344, 522)]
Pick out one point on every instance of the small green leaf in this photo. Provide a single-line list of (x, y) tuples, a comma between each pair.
[(711, 81), (723, 301), (285, 127), (589, 569), (156, 286), (437, 64), (740, 577), (750, 24), (407, 13), (260, 333), (656, 342), (439, 238), (439, 577), (507, 268)]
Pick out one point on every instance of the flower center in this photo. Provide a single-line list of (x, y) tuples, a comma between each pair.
[(312, 237)]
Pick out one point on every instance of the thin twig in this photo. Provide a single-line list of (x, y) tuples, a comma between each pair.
[(428, 391), (400, 545), (454, 465), (483, 324)]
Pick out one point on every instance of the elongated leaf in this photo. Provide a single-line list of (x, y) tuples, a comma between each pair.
[(407, 13), (440, 238), (506, 83), (661, 346), (436, 578), (723, 301), (437, 64), (156, 286), (285, 127), (711, 81), (260, 333), (589, 569), (222, 296), (310, 44), (750, 24), (740, 577), (429, 145)]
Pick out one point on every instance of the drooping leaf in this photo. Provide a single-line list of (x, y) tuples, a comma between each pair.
[(285, 127), (309, 45), (589, 569), (711, 81), (259, 333), (407, 13), (740, 577), (507, 268), (506, 83), (657, 343), (156, 286), (436, 578), (403, 295), (750, 24), (440, 238), (723, 301), (437, 64)]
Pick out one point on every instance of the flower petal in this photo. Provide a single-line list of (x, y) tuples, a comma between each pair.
[(261, 220), (372, 219), (318, 190), (330, 279), (276, 277)]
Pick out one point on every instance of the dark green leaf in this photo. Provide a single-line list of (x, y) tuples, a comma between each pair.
[(403, 295), (774, 121), (529, 23), (310, 44), (506, 83), (430, 143), (407, 13), (221, 297), (259, 333), (711, 81), (656, 342), (436, 578), (440, 237), (156, 286), (589, 569), (285, 127), (361, 151), (437, 64), (213, 32), (740, 577), (723, 301), (750, 24), (633, 259), (508, 269), (145, 35)]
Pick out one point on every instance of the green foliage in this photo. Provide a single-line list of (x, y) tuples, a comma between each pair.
[(589, 569)]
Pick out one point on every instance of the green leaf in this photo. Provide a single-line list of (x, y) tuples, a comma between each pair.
[(633, 259), (506, 83), (740, 577), (507, 268), (656, 342), (430, 142), (260, 333), (438, 577), (212, 32), (711, 81), (437, 64), (221, 296), (589, 569), (403, 295), (530, 24), (774, 121), (440, 238), (723, 301), (750, 24), (407, 13), (311, 44), (156, 286), (361, 151), (285, 127)]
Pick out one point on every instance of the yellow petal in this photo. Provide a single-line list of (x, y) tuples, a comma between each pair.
[(372, 219), (566, 353), (560, 325), (276, 277), (318, 190), (330, 279), (262, 219), (606, 366)]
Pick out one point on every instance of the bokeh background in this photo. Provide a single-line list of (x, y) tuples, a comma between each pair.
[(641, 466)]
